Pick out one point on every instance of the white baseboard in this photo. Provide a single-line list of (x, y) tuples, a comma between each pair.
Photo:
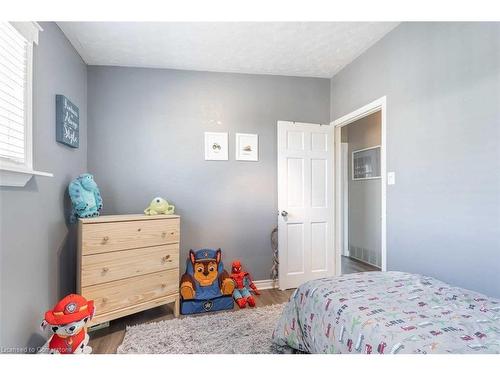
[(266, 284)]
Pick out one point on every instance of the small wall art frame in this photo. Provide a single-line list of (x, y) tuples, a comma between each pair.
[(247, 147), (67, 122), (216, 146), (366, 163)]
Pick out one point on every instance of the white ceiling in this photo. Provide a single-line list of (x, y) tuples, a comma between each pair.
[(307, 49)]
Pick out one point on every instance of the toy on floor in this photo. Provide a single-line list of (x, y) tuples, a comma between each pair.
[(159, 206), (206, 285), (85, 197), (68, 323), (243, 282)]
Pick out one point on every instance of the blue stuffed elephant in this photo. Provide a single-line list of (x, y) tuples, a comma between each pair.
[(85, 197)]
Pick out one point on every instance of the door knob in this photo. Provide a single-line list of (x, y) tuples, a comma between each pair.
[(284, 213)]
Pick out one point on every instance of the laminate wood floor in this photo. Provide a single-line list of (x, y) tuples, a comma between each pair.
[(350, 265)]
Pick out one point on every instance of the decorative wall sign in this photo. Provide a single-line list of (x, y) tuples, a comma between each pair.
[(216, 146), (67, 122), (247, 147), (366, 163)]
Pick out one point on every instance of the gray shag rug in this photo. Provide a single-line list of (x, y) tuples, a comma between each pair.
[(246, 331)]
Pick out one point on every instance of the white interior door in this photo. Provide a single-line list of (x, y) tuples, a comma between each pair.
[(305, 201)]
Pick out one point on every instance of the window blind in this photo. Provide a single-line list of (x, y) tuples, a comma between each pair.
[(13, 82)]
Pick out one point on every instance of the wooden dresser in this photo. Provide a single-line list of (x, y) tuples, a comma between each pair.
[(128, 263)]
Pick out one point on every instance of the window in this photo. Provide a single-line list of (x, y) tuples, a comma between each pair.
[(16, 60), (13, 89)]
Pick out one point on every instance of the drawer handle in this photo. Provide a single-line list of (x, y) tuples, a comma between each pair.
[(166, 258), (104, 300), (163, 234), (163, 286), (105, 269), (138, 229), (105, 239)]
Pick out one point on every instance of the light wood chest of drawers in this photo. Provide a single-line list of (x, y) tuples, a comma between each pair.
[(128, 263)]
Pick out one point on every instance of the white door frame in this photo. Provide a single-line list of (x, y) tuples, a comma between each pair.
[(344, 159), (377, 105)]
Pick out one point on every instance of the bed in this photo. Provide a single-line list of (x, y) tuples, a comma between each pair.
[(388, 312)]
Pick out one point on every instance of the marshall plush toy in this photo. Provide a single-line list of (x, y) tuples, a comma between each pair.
[(243, 281), (67, 321)]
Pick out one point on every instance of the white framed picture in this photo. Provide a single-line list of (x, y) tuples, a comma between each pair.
[(366, 163), (216, 146), (247, 147)]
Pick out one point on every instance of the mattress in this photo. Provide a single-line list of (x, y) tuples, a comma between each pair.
[(388, 312)]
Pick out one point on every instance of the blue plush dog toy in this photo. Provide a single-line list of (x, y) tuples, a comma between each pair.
[(206, 285), (85, 197)]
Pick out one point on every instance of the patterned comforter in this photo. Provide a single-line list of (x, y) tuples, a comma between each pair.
[(388, 312)]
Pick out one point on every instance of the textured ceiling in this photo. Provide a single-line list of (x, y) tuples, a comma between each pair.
[(308, 49)]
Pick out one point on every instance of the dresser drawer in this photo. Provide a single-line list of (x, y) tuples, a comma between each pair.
[(116, 265), (120, 294), (112, 236)]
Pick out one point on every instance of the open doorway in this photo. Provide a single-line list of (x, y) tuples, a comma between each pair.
[(360, 190), (361, 200)]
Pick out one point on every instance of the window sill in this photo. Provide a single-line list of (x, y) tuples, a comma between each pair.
[(18, 177)]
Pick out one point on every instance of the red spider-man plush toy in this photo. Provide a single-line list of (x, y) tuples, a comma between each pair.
[(243, 281)]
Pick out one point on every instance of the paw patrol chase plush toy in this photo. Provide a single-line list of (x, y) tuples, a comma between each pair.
[(206, 285), (67, 321)]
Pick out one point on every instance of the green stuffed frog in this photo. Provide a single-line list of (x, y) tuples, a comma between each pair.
[(159, 206)]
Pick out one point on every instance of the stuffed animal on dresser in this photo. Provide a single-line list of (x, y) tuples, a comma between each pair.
[(159, 206), (206, 285), (67, 322), (85, 197)]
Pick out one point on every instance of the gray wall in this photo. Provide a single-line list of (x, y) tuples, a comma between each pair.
[(364, 207), (36, 250), (442, 82), (146, 139)]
